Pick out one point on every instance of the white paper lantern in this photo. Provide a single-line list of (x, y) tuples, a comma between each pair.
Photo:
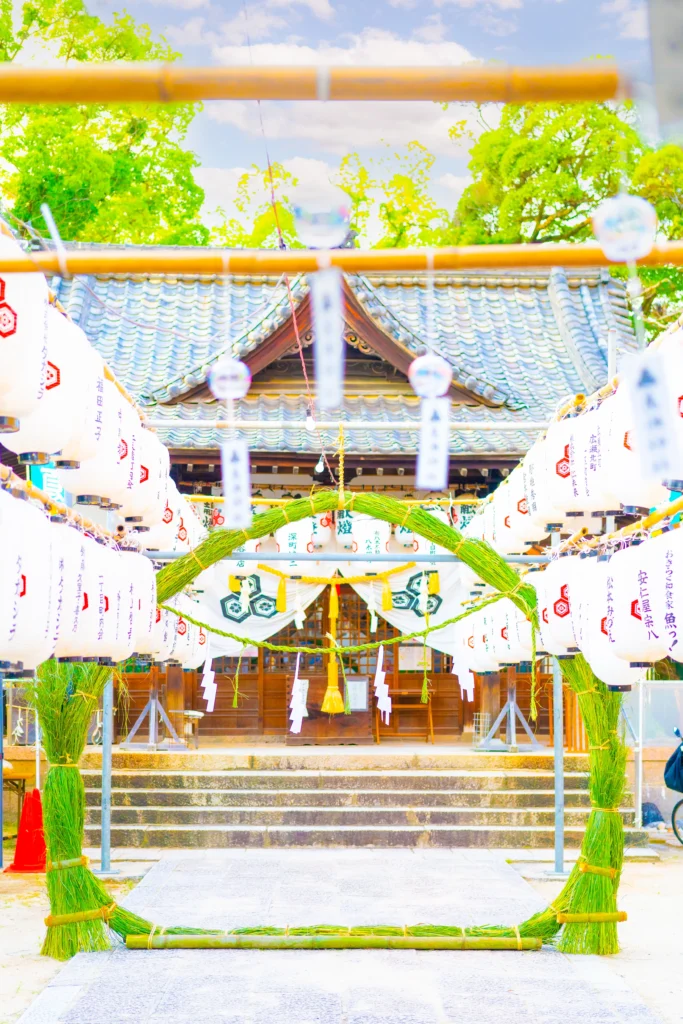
[(556, 614), (49, 427), (344, 530), (479, 641), (589, 462), (540, 497), (74, 546), (23, 336), (82, 445), (370, 535), (321, 531), (100, 476), (11, 530), (544, 586), (623, 473), (517, 522), (164, 634), (148, 500), (38, 609), (667, 589), (632, 630), (140, 570), (593, 595)]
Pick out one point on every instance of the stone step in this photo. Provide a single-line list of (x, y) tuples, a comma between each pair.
[(345, 817), (378, 758), (221, 836), (347, 780), (329, 798)]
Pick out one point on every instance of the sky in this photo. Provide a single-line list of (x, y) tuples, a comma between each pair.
[(310, 138)]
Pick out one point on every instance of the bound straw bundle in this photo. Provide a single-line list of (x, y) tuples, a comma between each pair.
[(64, 697)]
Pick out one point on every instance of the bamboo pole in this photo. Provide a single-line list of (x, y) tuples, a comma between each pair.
[(166, 83), (209, 941), (486, 426), (275, 502), (10, 480), (211, 262)]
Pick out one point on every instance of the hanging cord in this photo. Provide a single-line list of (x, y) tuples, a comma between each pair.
[(283, 245)]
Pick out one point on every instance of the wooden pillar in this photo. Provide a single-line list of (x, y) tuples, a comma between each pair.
[(175, 697), (489, 694)]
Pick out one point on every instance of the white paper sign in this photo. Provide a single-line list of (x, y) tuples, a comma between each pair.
[(208, 684), (666, 41), (432, 458), (414, 657), (357, 687), (654, 417), (236, 483), (328, 337)]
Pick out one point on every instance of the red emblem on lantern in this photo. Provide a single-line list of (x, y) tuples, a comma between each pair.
[(562, 467), (168, 515), (158, 618), (182, 531), (506, 520), (202, 637), (544, 614), (523, 507), (22, 592), (470, 641), (603, 626), (680, 405), (627, 440), (53, 376), (182, 627), (504, 632), (144, 474), (635, 609), (561, 606), (217, 519), (8, 320), (123, 449), (85, 602)]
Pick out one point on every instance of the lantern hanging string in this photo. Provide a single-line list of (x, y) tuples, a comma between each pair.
[(10, 481), (339, 650)]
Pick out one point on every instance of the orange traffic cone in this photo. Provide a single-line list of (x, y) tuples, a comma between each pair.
[(29, 854)]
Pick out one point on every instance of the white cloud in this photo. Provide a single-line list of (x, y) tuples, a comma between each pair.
[(494, 25), (371, 46), (249, 25), (192, 33), (631, 17), (433, 30), (500, 5), (406, 5), (455, 183), (220, 189), (183, 5), (321, 8), (340, 127)]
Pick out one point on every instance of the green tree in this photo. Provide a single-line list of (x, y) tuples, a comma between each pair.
[(541, 173), (263, 211), (108, 173)]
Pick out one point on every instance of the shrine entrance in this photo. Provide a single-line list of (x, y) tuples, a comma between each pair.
[(258, 705)]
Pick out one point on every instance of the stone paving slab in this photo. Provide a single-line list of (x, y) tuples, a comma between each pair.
[(224, 889)]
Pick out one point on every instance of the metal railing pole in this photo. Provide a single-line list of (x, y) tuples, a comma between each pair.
[(558, 764)]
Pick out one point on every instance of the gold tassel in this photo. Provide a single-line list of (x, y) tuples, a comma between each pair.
[(333, 702), (387, 599), (281, 598), (234, 584), (433, 583), (334, 602)]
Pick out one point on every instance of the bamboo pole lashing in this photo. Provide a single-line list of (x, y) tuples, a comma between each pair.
[(209, 941), (217, 262), (173, 83)]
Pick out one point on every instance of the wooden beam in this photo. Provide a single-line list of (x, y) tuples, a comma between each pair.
[(172, 83), (196, 261)]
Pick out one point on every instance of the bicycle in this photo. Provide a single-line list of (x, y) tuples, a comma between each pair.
[(677, 813)]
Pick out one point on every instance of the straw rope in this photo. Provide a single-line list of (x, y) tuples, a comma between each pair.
[(350, 649), (63, 865), (103, 913), (324, 580)]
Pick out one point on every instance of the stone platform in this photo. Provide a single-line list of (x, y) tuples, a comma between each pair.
[(224, 889)]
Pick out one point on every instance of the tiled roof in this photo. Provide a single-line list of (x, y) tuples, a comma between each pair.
[(534, 337), (281, 409)]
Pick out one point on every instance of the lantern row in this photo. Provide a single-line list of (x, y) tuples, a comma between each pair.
[(65, 594)]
